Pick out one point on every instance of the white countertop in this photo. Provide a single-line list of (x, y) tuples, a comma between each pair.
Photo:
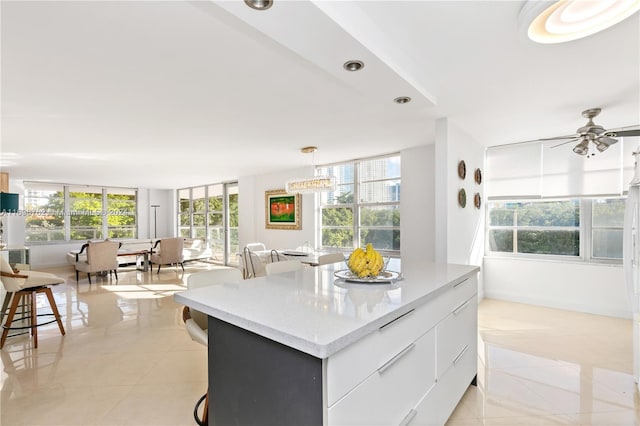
[(307, 311)]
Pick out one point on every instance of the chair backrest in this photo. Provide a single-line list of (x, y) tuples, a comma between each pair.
[(330, 258), (10, 284), (256, 247), (253, 265), (103, 255), (208, 278), (171, 250), (282, 267)]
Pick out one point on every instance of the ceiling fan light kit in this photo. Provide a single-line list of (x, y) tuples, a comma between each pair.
[(566, 20)]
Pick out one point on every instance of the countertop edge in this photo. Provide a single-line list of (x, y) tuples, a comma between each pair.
[(320, 350)]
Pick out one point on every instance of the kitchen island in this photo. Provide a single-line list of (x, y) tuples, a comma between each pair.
[(301, 348)]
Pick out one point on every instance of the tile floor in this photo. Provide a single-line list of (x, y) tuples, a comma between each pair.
[(127, 360)]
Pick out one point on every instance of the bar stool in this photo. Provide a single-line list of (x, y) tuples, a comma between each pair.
[(22, 289)]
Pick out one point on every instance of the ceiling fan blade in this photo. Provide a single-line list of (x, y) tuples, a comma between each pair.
[(622, 133), (556, 138), (566, 142)]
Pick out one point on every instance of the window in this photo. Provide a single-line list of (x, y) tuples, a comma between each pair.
[(210, 213), (607, 223), (58, 212), (365, 207), (582, 228)]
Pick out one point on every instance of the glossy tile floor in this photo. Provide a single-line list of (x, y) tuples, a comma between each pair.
[(127, 360)]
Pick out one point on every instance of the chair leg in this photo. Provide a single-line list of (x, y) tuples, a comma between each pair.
[(205, 413), (182, 264), (34, 319), (76, 275), (158, 268), (5, 305), (89, 277), (54, 308), (115, 272), (12, 311)]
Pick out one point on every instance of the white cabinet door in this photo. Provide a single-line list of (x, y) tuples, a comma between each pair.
[(392, 390)]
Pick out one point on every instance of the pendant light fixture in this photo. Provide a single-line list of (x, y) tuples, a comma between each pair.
[(311, 184)]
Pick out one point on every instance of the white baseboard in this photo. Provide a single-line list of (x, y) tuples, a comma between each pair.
[(619, 313)]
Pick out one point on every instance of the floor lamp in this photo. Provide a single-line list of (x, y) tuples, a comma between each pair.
[(155, 219)]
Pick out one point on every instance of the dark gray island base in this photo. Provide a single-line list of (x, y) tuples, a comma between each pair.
[(256, 381)]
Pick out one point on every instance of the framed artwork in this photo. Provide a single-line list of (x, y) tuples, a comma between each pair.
[(282, 210)]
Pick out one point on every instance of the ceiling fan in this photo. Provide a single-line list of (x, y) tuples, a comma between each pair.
[(595, 134)]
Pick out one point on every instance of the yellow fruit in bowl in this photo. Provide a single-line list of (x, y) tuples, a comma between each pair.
[(365, 262)]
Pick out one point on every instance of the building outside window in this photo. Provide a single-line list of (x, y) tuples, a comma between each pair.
[(365, 207), (58, 212)]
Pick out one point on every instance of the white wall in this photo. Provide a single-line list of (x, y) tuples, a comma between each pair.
[(459, 231), (586, 287), (417, 206), (252, 211)]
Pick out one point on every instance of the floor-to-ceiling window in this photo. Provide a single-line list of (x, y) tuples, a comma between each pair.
[(210, 213)]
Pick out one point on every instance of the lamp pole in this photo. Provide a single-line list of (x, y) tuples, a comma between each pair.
[(155, 219)]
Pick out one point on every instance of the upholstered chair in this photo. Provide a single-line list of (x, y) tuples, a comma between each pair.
[(102, 256), (22, 288), (170, 251)]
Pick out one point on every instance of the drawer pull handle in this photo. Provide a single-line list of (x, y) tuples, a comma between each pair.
[(396, 319), (457, 310), (461, 282), (460, 355), (407, 419), (395, 359)]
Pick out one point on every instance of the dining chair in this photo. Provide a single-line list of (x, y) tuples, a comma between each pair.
[(283, 266), (102, 256), (256, 247), (254, 266), (196, 322), (324, 259), (22, 289), (171, 251)]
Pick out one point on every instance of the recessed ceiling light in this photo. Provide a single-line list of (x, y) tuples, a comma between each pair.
[(259, 4), (568, 20), (402, 100), (353, 65)]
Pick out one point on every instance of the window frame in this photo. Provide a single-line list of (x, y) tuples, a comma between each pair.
[(585, 230), (67, 212), (357, 205)]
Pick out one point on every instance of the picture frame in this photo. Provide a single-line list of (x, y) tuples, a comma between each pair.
[(282, 210)]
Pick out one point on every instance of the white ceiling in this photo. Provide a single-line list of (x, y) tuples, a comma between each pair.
[(168, 94)]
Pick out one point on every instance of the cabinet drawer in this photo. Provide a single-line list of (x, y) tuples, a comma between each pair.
[(457, 333), (350, 366), (392, 390), (461, 291), (438, 404)]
